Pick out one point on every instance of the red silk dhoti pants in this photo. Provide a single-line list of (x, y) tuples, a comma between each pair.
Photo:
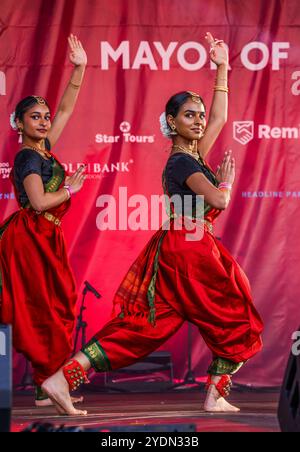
[(198, 281)]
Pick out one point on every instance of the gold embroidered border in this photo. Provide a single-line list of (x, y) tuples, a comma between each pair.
[(97, 356), (221, 366)]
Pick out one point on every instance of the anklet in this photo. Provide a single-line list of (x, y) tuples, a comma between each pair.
[(75, 374), (223, 386)]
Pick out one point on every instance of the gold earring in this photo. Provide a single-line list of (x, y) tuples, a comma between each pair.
[(173, 127)]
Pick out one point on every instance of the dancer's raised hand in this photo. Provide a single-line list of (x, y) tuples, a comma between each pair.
[(218, 52), (77, 53)]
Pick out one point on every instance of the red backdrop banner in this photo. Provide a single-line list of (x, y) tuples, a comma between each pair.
[(139, 54)]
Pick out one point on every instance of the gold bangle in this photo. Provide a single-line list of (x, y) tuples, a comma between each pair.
[(74, 85), (68, 193), (221, 88)]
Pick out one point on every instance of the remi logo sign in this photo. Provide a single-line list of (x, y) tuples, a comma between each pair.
[(243, 131), (2, 344)]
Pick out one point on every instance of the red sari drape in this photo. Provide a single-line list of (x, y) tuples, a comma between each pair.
[(38, 288)]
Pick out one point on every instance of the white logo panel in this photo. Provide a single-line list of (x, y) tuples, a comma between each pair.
[(243, 131)]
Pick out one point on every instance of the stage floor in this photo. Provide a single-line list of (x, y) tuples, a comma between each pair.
[(258, 412)]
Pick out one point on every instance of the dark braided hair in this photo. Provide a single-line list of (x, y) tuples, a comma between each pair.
[(175, 102), (27, 103)]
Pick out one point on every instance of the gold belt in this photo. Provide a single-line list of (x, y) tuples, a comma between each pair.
[(51, 218), (47, 215)]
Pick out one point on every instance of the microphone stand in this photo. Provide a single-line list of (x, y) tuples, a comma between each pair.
[(81, 324), (189, 379)]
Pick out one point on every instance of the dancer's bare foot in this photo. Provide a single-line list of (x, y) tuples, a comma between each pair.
[(48, 402), (57, 388), (215, 403)]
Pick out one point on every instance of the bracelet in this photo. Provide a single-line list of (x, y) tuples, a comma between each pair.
[(74, 85), (68, 193), (68, 188), (225, 185), (221, 88)]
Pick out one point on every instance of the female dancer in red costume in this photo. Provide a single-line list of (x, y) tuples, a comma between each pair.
[(175, 279), (37, 288)]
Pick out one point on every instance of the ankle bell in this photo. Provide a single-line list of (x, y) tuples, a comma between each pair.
[(75, 374), (223, 386)]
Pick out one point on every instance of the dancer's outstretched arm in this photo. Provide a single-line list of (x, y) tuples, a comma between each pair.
[(218, 112), (66, 106)]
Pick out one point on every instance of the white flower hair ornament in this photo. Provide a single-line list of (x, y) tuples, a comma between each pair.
[(12, 121), (164, 126), (13, 124)]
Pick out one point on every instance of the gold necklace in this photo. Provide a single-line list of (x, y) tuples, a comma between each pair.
[(187, 151), (42, 152)]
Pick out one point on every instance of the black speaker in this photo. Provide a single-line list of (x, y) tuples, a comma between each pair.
[(39, 427), (5, 377), (150, 428), (289, 406), (154, 373)]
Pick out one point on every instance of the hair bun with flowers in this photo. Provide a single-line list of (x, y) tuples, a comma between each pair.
[(164, 126), (12, 121)]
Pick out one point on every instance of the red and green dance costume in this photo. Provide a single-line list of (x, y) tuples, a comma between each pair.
[(174, 280), (38, 292)]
